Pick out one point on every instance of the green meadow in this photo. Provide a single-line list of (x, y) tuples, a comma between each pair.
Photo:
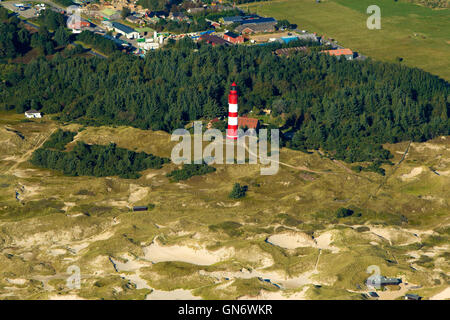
[(417, 34)]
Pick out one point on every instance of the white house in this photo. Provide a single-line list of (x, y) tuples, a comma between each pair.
[(33, 114)]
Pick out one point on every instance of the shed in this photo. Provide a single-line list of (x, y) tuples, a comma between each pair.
[(411, 296), (33, 114), (140, 208)]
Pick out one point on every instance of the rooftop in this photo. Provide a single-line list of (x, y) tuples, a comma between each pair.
[(122, 27), (339, 52)]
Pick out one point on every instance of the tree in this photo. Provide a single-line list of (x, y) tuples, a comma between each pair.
[(61, 37), (125, 12), (238, 191)]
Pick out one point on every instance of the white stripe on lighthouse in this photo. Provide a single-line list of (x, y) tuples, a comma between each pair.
[(232, 107), (233, 121)]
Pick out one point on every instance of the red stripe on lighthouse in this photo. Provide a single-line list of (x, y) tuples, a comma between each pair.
[(232, 113)]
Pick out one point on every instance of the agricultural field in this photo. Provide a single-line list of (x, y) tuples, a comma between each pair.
[(417, 34), (283, 242)]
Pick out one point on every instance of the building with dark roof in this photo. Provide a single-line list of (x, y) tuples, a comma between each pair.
[(213, 40), (287, 51), (411, 296), (250, 28), (130, 33)]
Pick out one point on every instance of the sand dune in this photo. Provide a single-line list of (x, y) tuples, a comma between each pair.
[(195, 255)]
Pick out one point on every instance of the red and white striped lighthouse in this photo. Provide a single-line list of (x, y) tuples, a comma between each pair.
[(232, 113)]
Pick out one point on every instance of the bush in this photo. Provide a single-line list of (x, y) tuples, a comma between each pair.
[(188, 171), (238, 191), (344, 212)]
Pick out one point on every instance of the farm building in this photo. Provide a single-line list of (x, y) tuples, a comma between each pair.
[(130, 33), (213, 40), (249, 28), (347, 53), (233, 37), (33, 114)]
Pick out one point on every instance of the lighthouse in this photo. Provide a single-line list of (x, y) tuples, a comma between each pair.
[(232, 113)]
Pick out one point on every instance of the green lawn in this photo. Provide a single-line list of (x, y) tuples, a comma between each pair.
[(415, 33)]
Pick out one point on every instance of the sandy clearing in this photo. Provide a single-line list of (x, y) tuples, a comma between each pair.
[(178, 294), (16, 281), (57, 252), (444, 173), (137, 280), (293, 240), (396, 236), (278, 295), (276, 277), (443, 295), (414, 173), (137, 193), (65, 297), (427, 145), (392, 294), (190, 254)]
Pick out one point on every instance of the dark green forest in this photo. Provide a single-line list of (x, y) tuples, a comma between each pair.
[(97, 160), (59, 139), (348, 108), (190, 170)]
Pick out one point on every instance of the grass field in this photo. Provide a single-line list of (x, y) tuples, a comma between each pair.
[(415, 33), (198, 242)]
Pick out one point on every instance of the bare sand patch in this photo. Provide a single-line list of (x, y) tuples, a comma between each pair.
[(137, 193), (278, 295), (414, 173), (16, 281), (178, 294), (65, 297), (443, 173), (191, 254), (443, 295), (395, 236), (293, 240)]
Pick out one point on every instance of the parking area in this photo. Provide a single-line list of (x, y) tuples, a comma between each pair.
[(27, 13)]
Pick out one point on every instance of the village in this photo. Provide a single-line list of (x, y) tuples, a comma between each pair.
[(137, 30)]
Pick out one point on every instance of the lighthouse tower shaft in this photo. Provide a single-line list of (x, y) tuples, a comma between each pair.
[(232, 113)]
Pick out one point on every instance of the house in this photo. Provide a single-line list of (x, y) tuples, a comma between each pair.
[(347, 53), (249, 28), (178, 16), (130, 33), (249, 123), (215, 25), (383, 281), (140, 208), (233, 37), (196, 10), (309, 37), (33, 114), (239, 19), (411, 296), (213, 40), (134, 19)]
